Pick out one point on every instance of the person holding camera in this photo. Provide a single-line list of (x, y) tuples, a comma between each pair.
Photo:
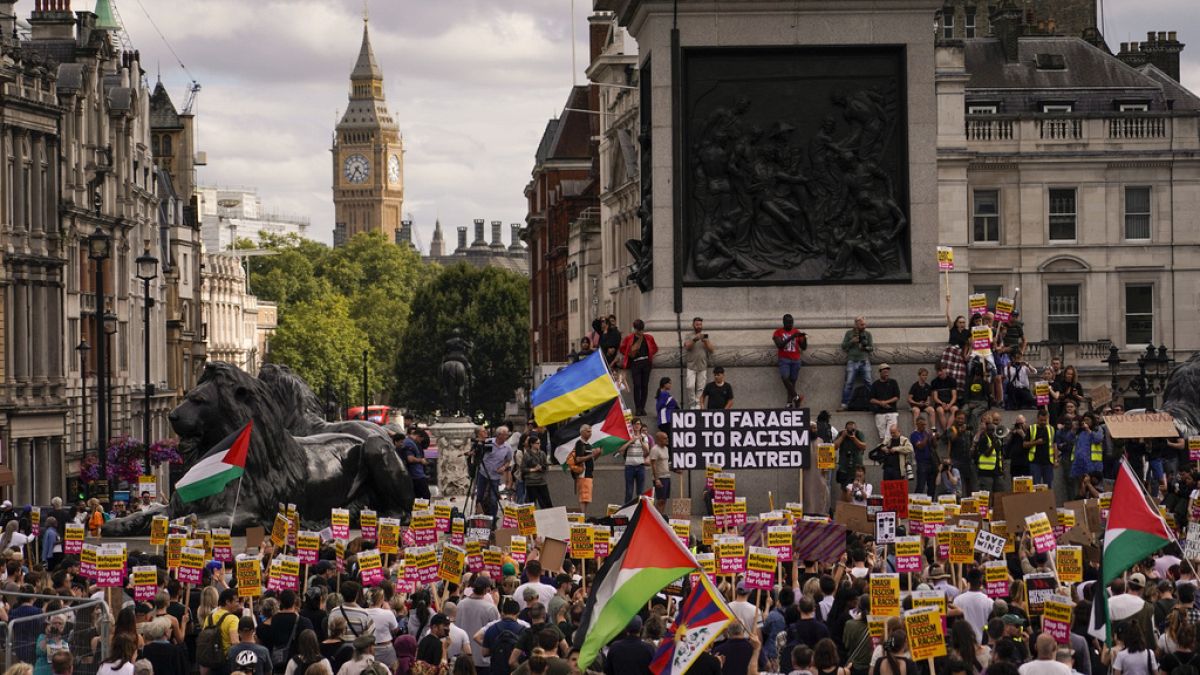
[(850, 446), (790, 343), (698, 357), (859, 490), (958, 440), (858, 345), (948, 479), (895, 452)]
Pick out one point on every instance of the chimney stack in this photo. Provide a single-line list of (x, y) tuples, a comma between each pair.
[(479, 240), (1008, 25), (1162, 49), (515, 244), (462, 239), (1132, 55), (404, 235), (497, 245), (51, 20)]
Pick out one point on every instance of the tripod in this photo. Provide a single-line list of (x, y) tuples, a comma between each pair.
[(490, 495)]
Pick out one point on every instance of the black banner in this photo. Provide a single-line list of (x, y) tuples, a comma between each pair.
[(740, 439)]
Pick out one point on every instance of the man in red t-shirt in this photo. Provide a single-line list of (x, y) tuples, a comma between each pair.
[(790, 343)]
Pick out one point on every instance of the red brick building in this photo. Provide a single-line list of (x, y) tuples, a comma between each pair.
[(563, 185)]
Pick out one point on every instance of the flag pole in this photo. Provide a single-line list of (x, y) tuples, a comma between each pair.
[(1174, 538), (237, 497)]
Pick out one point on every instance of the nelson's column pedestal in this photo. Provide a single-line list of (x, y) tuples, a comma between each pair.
[(788, 165)]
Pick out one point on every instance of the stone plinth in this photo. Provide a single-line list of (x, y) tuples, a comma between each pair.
[(453, 438)]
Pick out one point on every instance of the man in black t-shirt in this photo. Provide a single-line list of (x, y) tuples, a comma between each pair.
[(431, 648), (885, 392), (944, 396), (718, 394)]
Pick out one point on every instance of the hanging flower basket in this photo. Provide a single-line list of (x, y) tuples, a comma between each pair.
[(125, 455), (165, 451)]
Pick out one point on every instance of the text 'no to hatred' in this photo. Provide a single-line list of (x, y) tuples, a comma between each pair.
[(740, 439)]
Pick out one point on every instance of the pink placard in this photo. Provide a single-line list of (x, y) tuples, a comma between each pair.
[(756, 579)]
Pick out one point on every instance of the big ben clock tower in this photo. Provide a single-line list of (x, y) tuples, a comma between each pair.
[(368, 156)]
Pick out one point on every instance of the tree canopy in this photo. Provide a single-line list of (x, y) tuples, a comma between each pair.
[(490, 307)]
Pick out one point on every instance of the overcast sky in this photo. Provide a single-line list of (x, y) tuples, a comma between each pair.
[(470, 82)]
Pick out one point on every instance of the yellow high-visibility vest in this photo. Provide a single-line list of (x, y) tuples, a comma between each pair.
[(1033, 434)]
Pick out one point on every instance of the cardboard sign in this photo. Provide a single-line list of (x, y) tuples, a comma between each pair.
[(926, 638), (159, 526), (760, 568), (1141, 425), (1018, 507), (1056, 618), (552, 523), (945, 259), (908, 554), (854, 517), (820, 542), (995, 579), (977, 303), (1041, 531), (248, 570), (1100, 396), (989, 544), (731, 555), (1070, 564), (826, 456), (779, 540), (895, 497), (962, 546), (885, 593), (885, 527), (145, 583), (583, 544), (1004, 309), (370, 567)]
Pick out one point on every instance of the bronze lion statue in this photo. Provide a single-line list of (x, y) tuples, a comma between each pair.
[(1181, 397), (354, 467)]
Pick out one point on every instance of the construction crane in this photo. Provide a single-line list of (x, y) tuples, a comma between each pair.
[(190, 101)]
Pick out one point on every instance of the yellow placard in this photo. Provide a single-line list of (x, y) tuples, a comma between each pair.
[(962, 546), (682, 528), (977, 303), (145, 575), (1038, 525), (885, 594), (761, 560), (222, 538), (945, 259), (519, 545), (1070, 565), (340, 517), (708, 530), (1066, 518), (159, 526), (779, 536), (191, 558), (907, 548), (452, 565), (934, 599), (708, 563), (826, 456), (583, 542), (389, 536), (368, 519), (526, 524), (1056, 610), (249, 577), (423, 521), (926, 640), (1022, 484), (308, 541), (279, 530), (174, 550)]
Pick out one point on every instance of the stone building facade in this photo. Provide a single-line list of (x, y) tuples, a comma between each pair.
[(477, 252), (230, 312), (229, 213)]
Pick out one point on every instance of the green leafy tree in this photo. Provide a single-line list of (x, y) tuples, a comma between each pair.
[(289, 273), (320, 341), (490, 307)]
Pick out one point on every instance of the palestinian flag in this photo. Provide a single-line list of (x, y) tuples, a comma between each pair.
[(220, 466), (648, 558), (1134, 531), (610, 430)]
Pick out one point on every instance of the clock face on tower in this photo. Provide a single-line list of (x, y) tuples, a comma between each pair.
[(394, 169), (356, 169)]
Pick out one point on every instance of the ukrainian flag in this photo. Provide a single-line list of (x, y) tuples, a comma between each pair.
[(574, 389)]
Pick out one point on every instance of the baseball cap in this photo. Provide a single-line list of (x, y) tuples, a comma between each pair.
[(741, 587), (1013, 620), (885, 366), (1137, 579), (6, 504)]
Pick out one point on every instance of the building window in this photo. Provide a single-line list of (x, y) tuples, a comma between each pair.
[(1133, 107), (1139, 313), (992, 292), (1057, 107), (948, 23), (982, 109), (1062, 214), (1062, 317), (1137, 213), (986, 215), (969, 25)]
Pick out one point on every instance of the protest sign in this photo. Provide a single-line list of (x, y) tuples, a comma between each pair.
[(981, 338), (708, 529), (1070, 564), (368, 524), (1004, 309), (908, 554), (453, 564), (308, 545), (962, 545), (740, 439), (854, 517), (553, 523), (248, 570), (159, 526), (370, 567), (284, 573), (731, 555), (389, 536), (1018, 506), (926, 638), (458, 531), (1056, 618), (1193, 446), (817, 541), (339, 524), (174, 550), (1141, 425), (995, 579), (724, 487), (425, 560), (942, 540), (526, 522), (876, 628), (895, 497), (583, 546), (885, 593), (73, 539), (191, 566), (222, 544), (508, 516), (885, 527), (145, 583), (977, 303), (935, 599), (989, 544), (35, 521), (737, 512), (760, 568), (945, 259), (682, 529), (147, 485), (1041, 532), (279, 530), (518, 549), (826, 456), (1041, 392), (779, 540), (1040, 587), (87, 561), (424, 527), (110, 566)]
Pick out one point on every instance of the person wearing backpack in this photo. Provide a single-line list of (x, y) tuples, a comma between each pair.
[(278, 634), (500, 639), (219, 632), (247, 655)]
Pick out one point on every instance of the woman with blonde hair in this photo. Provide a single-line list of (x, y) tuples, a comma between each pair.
[(209, 598)]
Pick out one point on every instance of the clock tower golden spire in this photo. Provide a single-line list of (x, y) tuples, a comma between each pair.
[(368, 155)]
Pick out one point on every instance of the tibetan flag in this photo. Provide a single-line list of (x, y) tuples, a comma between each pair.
[(702, 617), (223, 464), (574, 389), (646, 560), (1134, 531), (610, 430)]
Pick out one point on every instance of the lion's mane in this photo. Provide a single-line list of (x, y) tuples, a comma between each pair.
[(1181, 397)]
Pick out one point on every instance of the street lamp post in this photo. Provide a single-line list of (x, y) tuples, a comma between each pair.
[(1154, 367), (99, 249), (83, 348), (147, 271), (366, 400), (110, 329)]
